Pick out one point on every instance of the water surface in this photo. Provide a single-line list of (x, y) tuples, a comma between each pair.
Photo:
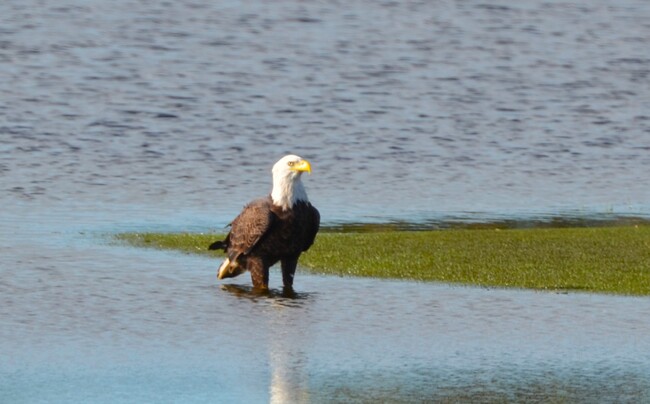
[(453, 107), (88, 321), (132, 116)]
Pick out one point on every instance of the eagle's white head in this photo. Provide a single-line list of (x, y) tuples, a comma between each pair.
[(287, 187)]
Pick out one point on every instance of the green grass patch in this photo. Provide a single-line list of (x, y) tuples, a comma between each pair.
[(601, 259)]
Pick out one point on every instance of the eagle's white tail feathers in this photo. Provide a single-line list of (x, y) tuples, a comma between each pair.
[(229, 269)]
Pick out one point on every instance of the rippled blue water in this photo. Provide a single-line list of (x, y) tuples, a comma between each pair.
[(129, 115), (407, 109)]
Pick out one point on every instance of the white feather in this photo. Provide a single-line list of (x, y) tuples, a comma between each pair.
[(287, 186)]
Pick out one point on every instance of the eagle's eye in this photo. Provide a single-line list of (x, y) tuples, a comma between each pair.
[(291, 163)]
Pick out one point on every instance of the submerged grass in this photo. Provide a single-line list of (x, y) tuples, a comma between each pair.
[(601, 259)]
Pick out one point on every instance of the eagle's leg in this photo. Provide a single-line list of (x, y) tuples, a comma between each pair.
[(259, 272), (288, 271)]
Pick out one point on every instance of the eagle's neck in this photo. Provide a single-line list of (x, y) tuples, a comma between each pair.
[(287, 192)]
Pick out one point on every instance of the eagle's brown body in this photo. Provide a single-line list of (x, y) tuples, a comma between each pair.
[(279, 227), (264, 234)]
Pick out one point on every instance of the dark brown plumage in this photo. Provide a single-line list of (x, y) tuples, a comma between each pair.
[(279, 227)]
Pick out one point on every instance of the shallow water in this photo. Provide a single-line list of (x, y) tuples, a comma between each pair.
[(83, 320), (130, 116)]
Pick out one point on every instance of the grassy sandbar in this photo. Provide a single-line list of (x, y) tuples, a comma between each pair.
[(600, 259)]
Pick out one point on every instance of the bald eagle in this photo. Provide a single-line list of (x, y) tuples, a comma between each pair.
[(275, 228)]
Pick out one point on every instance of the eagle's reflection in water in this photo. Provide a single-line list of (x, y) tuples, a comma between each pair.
[(287, 336), (284, 296)]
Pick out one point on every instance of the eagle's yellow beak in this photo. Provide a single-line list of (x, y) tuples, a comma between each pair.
[(302, 165)]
